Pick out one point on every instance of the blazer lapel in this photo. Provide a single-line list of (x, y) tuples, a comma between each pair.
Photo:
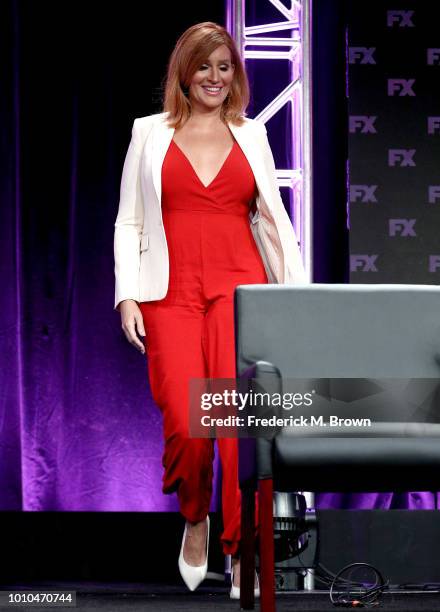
[(161, 139), (246, 137)]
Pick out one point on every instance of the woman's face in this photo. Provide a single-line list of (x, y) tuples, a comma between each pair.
[(210, 84)]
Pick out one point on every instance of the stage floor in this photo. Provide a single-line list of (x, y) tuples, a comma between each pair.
[(113, 597)]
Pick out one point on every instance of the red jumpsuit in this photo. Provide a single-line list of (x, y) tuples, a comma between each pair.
[(190, 332)]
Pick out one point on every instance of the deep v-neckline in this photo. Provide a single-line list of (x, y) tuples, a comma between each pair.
[(193, 169)]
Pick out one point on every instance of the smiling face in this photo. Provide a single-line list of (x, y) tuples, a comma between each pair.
[(210, 84)]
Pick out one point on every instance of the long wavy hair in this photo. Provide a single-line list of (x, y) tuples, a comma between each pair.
[(192, 49)]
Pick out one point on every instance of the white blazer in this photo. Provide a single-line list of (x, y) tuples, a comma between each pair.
[(140, 246)]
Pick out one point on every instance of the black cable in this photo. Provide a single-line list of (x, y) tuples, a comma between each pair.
[(326, 576), (368, 599)]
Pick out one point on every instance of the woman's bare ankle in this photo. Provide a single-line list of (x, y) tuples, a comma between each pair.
[(194, 548), (236, 566)]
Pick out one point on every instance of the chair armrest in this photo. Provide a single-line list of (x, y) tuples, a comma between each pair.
[(255, 454)]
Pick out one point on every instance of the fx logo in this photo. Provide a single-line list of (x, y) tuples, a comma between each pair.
[(433, 193), (361, 55), (363, 263), (433, 57), (363, 193), (434, 263), (402, 227), (433, 125), (362, 124), (401, 157), (402, 87), (402, 18)]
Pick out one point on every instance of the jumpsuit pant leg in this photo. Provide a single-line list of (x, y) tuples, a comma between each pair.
[(174, 352), (183, 343), (219, 342)]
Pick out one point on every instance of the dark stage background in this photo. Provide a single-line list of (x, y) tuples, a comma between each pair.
[(78, 428), (394, 142)]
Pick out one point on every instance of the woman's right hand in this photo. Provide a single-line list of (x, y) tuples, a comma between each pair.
[(131, 319)]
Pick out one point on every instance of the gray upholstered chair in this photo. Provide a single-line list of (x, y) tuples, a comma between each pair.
[(336, 332)]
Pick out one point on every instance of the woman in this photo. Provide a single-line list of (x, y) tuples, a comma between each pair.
[(200, 213)]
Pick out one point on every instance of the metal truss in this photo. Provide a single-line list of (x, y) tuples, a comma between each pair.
[(260, 42)]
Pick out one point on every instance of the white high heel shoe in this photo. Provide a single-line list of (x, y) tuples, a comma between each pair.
[(193, 575), (235, 590)]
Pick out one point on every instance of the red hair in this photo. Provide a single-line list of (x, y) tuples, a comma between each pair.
[(192, 49)]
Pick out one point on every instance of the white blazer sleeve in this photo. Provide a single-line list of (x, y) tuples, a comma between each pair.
[(294, 267), (129, 224)]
